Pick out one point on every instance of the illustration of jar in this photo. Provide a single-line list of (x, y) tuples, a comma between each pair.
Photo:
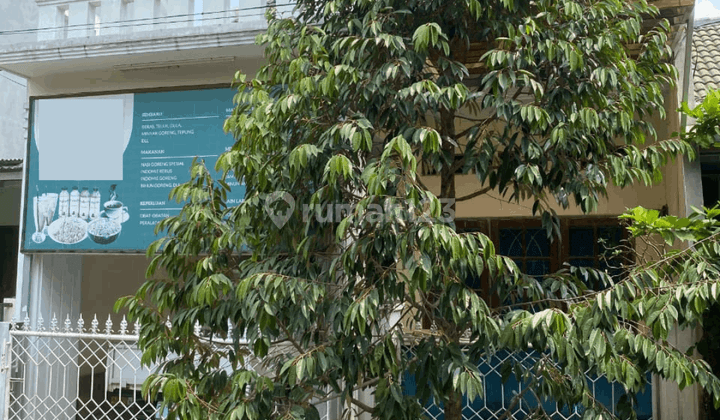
[(64, 206), (95, 204), (84, 203), (74, 202)]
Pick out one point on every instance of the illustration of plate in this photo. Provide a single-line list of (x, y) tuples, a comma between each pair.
[(125, 216), (68, 230)]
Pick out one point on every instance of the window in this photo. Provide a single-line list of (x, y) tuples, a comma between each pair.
[(584, 242), (596, 245), (528, 245)]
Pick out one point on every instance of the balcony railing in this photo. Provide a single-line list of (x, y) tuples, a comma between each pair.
[(88, 18)]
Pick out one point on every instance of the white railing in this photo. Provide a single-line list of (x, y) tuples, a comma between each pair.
[(73, 373), (89, 18), (68, 372)]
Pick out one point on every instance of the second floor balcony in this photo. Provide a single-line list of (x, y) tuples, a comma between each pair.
[(126, 34)]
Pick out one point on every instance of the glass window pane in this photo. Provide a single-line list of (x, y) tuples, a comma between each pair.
[(582, 242), (473, 282), (609, 237), (537, 243), (582, 262), (538, 267), (511, 242)]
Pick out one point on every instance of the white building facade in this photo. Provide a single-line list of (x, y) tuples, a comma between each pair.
[(71, 48)]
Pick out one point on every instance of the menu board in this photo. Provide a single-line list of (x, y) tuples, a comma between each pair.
[(100, 168)]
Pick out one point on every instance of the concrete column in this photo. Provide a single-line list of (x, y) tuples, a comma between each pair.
[(53, 377), (683, 190), (669, 401), (22, 287)]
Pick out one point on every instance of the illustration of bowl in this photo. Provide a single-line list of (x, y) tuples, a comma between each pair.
[(103, 230)]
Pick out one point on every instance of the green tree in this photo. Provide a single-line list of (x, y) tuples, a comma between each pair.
[(355, 97)]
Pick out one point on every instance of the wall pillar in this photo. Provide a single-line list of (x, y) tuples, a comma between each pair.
[(54, 291)]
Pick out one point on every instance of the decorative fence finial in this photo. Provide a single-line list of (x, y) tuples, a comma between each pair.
[(81, 325), (26, 323), (68, 324), (136, 327), (53, 323), (40, 323), (108, 326), (94, 325), (168, 323), (123, 326)]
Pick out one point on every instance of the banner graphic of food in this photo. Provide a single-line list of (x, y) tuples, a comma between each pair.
[(81, 213)]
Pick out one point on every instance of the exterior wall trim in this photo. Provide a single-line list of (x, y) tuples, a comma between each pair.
[(151, 42), (58, 2)]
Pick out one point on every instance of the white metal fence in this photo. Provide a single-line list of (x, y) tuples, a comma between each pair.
[(69, 372)]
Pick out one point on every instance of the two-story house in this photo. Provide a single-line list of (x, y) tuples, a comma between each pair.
[(122, 94)]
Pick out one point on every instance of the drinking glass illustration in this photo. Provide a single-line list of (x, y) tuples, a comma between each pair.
[(38, 236), (51, 200), (43, 211)]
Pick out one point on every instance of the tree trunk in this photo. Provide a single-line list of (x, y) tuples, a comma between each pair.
[(453, 408), (447, 174)]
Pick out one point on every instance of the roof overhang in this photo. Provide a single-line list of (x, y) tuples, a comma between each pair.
[(133, 51)]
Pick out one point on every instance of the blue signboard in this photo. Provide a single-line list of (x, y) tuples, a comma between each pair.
[(100, 168)]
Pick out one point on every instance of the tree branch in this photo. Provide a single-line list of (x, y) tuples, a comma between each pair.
[(473, 195), (366, 408)]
